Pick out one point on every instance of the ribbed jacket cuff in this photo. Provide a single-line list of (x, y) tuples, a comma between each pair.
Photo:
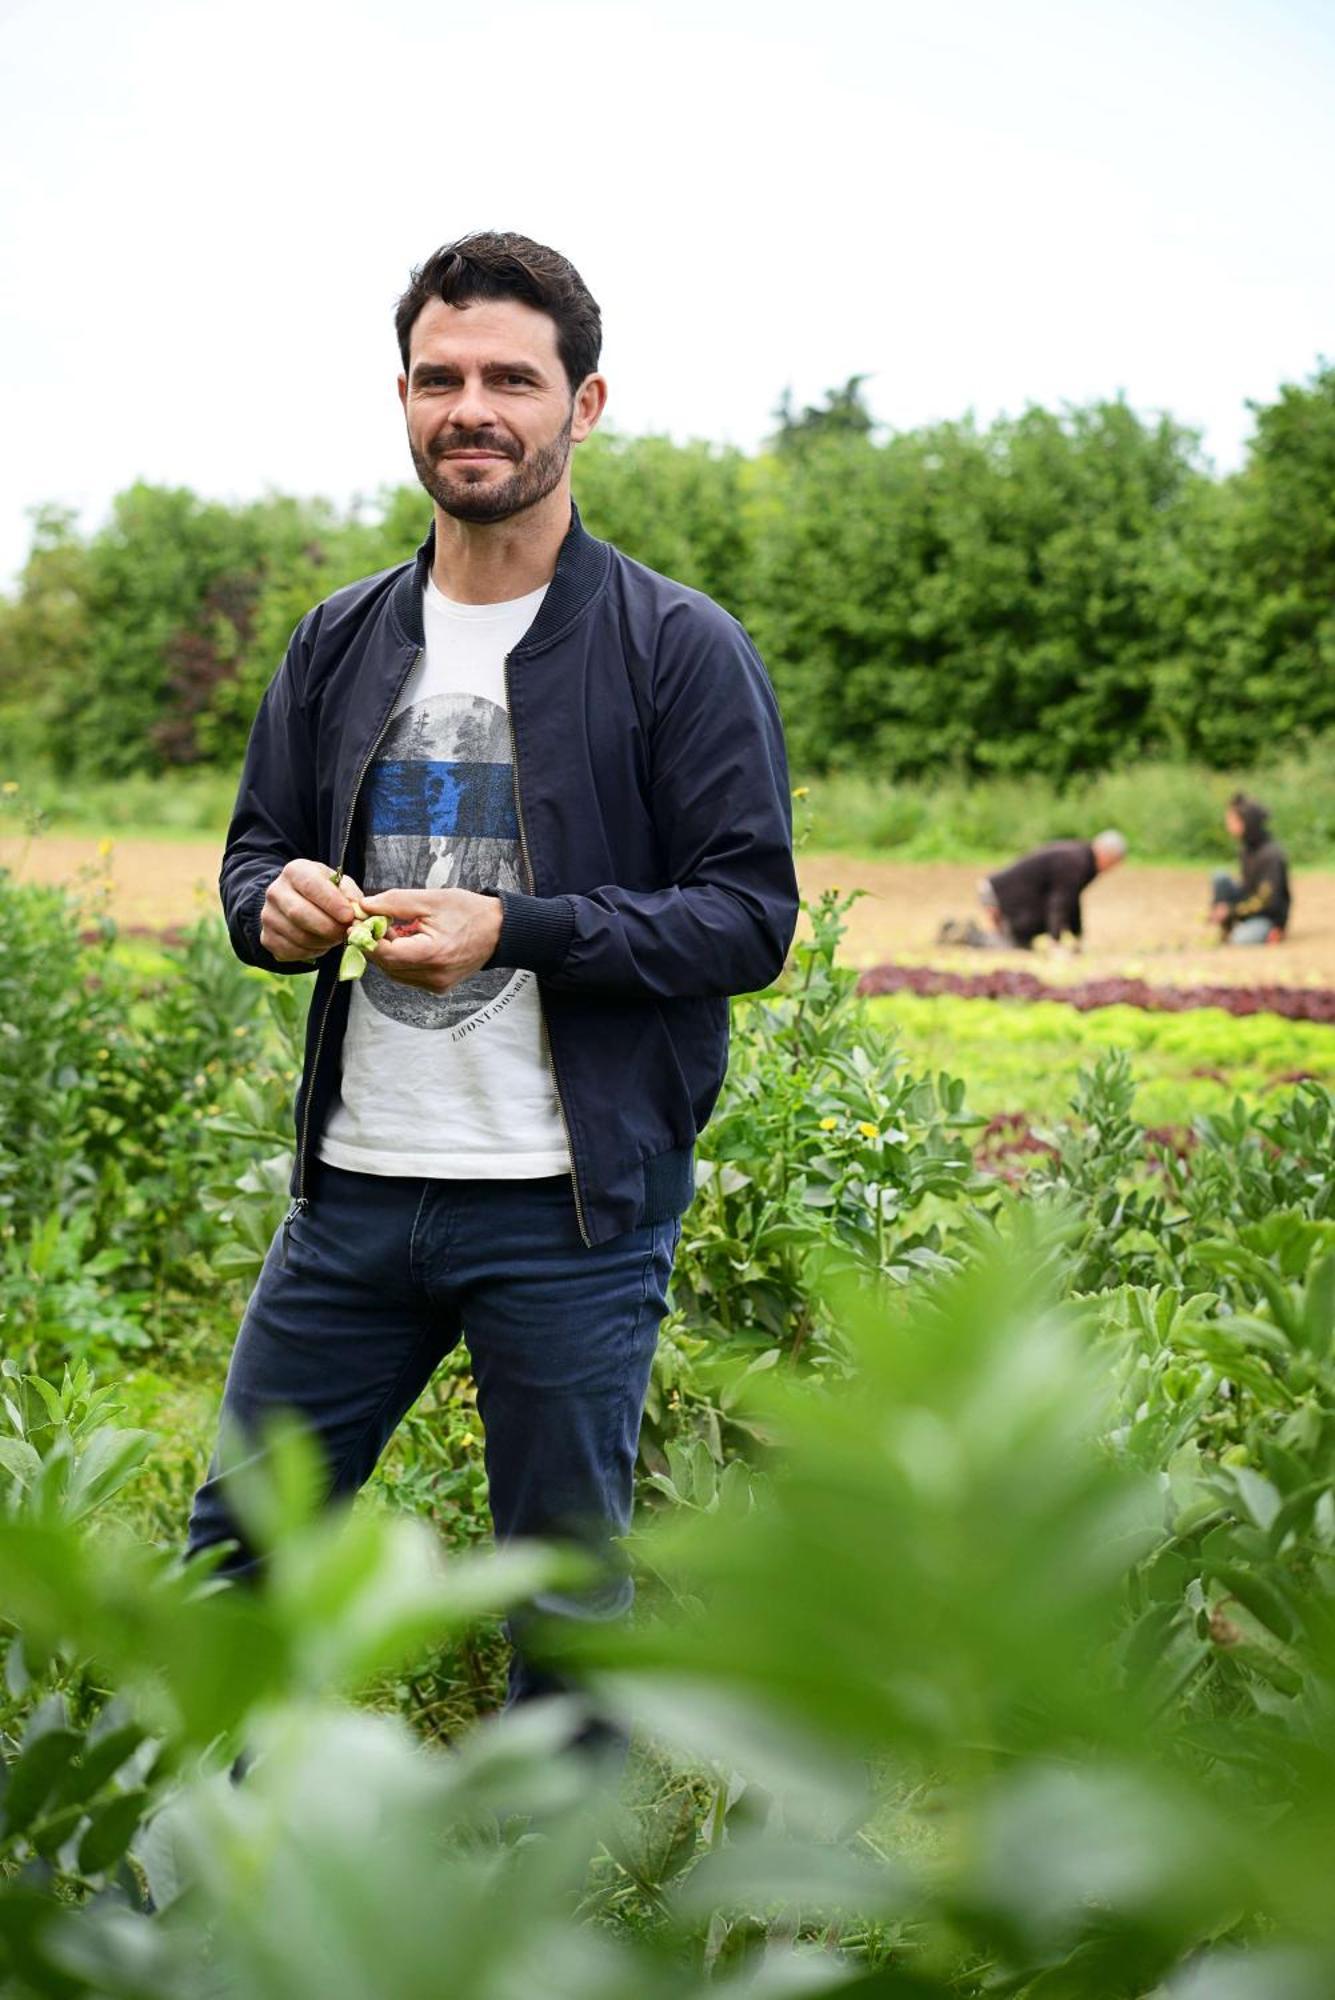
[(535, 932), (251, 914)]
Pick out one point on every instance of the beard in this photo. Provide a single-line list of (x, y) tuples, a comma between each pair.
[(465, 497)]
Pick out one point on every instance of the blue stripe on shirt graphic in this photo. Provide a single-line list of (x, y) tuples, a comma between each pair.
[(418, 795)]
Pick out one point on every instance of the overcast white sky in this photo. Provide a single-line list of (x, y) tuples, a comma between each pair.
[(209, 207)]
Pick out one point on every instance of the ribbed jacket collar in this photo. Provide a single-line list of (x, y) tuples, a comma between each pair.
[(581, 572)]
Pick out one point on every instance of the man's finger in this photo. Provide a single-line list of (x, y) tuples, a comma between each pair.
[(312, 883), (304, 921), (402, 903), (420, 949), (282, 941)]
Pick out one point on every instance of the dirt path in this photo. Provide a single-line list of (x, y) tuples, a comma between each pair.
[(1144, 921)]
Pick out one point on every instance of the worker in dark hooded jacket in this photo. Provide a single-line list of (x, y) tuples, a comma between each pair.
[(1253, 909)]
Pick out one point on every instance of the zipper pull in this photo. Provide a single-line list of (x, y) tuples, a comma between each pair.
[(299, 1207)]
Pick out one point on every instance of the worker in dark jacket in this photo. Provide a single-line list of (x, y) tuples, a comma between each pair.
[(1254, 909), (1040, 893)]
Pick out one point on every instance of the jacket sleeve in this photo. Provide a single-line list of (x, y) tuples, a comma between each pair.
[(273, 821), (722, 810)]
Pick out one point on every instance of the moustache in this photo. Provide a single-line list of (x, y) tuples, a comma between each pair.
[(477, 441)]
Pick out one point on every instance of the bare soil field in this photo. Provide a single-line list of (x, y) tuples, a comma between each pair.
[(1145, 922), (1140, 922)]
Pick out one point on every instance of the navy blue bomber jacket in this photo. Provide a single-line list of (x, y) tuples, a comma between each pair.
[(653, 805)]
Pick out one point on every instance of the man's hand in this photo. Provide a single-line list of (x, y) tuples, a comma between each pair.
[(304, 915), (456, 933)]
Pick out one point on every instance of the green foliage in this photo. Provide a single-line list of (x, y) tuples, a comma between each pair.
[(1024, 1556), (1024, 1058), (1060, 594), (985, 1637), (967, 599), (844, 413), (823, 1153), (1249, 591), (123, 1178), (1168, 811), (822, 1147), (682, 509), (1014, 1677)]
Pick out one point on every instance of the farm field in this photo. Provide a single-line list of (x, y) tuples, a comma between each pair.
[(956, 1273), (1024, 1058), (1140, 922)]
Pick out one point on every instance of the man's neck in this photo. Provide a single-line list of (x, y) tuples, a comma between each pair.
[(493, 562)]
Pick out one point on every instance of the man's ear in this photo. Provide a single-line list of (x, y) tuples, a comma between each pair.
[(403, 391), (590, 402)]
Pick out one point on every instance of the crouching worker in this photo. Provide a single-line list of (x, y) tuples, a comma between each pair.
[(1038, 894), (1254, 909)]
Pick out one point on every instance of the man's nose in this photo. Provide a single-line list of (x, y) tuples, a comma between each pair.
[(472, 408)]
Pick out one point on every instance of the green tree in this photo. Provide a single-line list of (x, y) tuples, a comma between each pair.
[(971, 599), (1252, 592), (844, 413), (44, 631), (681, 509), (167, 591)]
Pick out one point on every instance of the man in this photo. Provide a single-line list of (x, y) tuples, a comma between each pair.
[(562, 777), (1255, 909), (1041, 892)]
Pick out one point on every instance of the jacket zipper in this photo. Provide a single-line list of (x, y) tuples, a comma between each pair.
[(301, 1203), (542, 1005)]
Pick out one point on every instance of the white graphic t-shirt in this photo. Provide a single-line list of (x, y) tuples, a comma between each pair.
[(457, 1085)]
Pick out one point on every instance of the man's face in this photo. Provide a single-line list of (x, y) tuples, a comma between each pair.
[(1233, 823), (489, 409)]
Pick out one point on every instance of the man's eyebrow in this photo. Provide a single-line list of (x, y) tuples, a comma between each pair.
[(423, 368)]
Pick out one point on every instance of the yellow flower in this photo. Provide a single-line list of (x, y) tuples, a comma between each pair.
[(802, 792), (104, 847), (829, 1124), (104, 1055), (868, 1131), (9, 788)]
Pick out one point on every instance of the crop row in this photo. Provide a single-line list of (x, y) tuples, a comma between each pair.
[(1112, 990)]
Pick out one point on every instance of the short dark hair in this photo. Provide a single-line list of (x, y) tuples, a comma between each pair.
[(497, 264)]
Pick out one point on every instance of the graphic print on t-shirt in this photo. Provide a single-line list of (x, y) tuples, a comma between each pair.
[(440, 814)]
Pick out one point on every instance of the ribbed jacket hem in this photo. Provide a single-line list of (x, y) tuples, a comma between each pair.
[(535, 931)]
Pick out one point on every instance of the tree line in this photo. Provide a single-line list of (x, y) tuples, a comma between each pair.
[(1059, 592)]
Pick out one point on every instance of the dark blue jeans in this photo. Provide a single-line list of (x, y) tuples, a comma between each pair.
[(380, 1280)]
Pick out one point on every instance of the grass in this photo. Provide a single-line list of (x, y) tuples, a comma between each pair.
[(1020, 1056), (1168, 812), (184, 805)]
